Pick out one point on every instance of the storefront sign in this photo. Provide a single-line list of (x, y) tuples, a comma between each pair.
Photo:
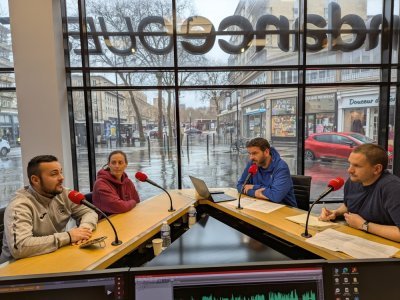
[(362, 101), (200, 30), (254, 111), (320, 103)]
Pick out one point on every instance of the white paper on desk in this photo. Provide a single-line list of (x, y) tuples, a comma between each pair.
[(312, 221), (352, 245), (256, 204)]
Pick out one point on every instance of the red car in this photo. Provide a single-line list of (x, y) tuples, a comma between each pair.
[(335, 145)]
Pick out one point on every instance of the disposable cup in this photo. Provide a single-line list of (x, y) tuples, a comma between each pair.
[(157, 246)]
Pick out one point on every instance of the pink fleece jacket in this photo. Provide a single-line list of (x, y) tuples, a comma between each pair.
[(113, 196)]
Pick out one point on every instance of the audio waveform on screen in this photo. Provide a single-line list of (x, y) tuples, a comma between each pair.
[(292, 296), (255, 291)]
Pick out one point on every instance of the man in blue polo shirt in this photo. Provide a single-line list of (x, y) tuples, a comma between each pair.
[(371, 194), (272, 180)]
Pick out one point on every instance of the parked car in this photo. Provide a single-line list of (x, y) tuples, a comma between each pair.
[(153, 133), (193, 131), (335, 145), (4, 147)]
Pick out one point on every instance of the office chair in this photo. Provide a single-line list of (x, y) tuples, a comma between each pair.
[(302, 186), (88, 197)]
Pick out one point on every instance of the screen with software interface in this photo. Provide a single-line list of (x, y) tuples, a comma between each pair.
[(276, 284), (98, 285)]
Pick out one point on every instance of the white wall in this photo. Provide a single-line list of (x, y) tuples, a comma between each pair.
[(40, 80)]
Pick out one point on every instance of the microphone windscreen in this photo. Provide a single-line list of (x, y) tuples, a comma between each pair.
[(141, 176), (253, 169), (336, 183), (76, 197)]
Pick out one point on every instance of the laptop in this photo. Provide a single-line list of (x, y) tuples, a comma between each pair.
[(204, 192)]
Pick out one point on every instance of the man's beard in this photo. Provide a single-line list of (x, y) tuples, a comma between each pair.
[(261, 162), (52, 192)]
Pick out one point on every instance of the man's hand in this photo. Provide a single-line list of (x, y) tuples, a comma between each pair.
[(80, 235), (247, 188), (327, 215), (259, 194), (354, 220)]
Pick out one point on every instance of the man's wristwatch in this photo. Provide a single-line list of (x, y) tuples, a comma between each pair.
[(365, 226)]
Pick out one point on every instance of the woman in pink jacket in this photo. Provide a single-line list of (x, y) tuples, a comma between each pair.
[(113, 191)]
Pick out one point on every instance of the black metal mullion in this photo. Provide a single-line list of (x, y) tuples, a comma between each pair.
[(87, 92), (396, 142), (177, 89), (301, 92), (386, 59), (74, 163)]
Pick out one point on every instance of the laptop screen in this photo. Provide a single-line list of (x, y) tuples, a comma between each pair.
[(201, 187)]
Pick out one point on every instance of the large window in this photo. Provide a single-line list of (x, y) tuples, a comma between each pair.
[(10, 141), (181, 92)]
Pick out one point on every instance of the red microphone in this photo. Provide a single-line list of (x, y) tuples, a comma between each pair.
[(251, 171), (143, 178), (336, 183), (79, 198), (333, 185)]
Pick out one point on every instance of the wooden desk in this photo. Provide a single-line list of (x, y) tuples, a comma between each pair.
[(276, 224), (138, 225), (133, 228)]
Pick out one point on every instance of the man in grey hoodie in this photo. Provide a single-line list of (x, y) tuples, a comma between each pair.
[(35, 219)]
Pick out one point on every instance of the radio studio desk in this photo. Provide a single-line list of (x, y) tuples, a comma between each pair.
[(136, 227)]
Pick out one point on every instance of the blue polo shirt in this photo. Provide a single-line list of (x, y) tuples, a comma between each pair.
[(377, 203)]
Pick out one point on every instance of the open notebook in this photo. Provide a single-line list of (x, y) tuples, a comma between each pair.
[(204, 192)]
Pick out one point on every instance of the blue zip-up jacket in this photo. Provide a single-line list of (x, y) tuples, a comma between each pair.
[(275, 179)]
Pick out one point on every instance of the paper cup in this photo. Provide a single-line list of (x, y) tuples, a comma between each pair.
[(157, 246)]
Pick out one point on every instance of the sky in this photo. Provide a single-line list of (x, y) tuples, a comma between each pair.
[(215, 11)]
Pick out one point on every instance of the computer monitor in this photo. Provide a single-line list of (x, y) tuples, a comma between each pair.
[(298, 280), (98, 285), (362, 279)]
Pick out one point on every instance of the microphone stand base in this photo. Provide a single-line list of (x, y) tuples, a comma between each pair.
[(171, 209), (306, 235), (239, 207), (116, 243)]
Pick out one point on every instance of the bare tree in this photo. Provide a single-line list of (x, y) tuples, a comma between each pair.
[(150, 22)]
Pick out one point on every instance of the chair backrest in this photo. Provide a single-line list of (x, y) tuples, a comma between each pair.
[(302, 186), (88, 197), (2, 210)]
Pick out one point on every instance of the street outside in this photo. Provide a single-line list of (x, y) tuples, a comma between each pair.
[(218, 167)]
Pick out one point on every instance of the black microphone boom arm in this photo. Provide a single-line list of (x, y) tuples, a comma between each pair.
[(306, 234), (170, 199), (241, 191), (116, 242)]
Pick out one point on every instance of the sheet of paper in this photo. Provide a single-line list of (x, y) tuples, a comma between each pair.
[(256, 204), (313, 221), (352, 245)]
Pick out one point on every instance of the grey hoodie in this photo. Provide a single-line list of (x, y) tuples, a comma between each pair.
[(34, 224)]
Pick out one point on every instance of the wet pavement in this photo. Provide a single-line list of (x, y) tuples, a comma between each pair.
[(216, 164)]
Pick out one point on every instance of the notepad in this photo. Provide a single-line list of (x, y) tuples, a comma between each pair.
[(313, 221), (354, 246), (258, 205)]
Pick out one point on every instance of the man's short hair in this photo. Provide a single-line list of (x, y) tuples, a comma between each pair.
[(375, 154), (258, 142), (34, 165)]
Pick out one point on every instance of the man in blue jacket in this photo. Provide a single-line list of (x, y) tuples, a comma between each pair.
[(272, 180)]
